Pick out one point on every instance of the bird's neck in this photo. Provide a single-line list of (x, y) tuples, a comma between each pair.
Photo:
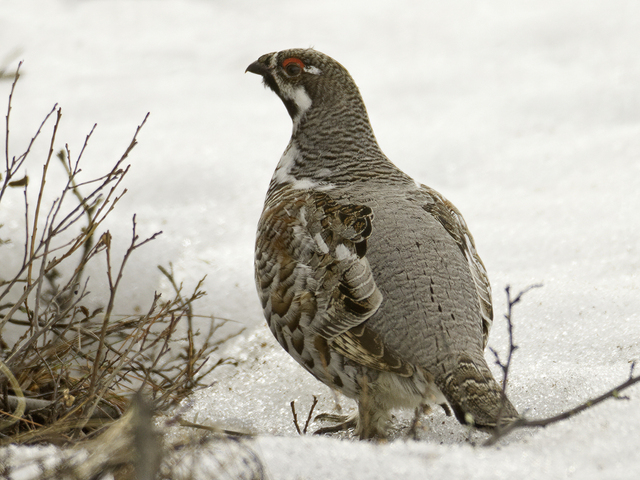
[(329, 149), (341, 133)]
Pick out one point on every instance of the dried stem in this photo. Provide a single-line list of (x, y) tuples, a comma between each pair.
[(304, 430), (502, 430), (313, 406), (113, 288), (295, 417), (504, 366)]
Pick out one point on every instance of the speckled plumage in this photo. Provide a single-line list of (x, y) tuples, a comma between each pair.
[(368, 279)]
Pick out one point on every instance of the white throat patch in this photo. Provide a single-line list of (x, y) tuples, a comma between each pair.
[(303, 102)]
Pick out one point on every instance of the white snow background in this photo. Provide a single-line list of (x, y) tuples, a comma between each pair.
[(526, 115)]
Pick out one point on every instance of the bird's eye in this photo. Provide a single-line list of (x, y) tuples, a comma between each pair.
[(293, 66)]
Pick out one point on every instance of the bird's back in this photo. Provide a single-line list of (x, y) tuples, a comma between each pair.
[(431, 308)]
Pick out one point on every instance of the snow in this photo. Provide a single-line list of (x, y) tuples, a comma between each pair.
[(526, 115)]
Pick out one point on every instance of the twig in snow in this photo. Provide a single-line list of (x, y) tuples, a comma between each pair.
[(313, 406), (521, 422), (295, 416), (504, 366)]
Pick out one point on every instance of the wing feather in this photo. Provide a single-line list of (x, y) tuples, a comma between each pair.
[(315, 281), (453, 222)]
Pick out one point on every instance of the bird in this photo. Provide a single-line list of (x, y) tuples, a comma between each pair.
[(368, 279)]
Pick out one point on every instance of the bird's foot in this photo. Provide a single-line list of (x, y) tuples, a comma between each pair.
[(344, 422)]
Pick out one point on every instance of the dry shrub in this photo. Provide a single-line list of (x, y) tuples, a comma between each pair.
[(73, 369)]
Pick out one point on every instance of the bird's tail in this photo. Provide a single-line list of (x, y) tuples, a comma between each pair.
[(475, 396)]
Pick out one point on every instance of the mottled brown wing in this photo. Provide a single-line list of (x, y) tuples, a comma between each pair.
[(310, 263), (314, 279), (453, 222)]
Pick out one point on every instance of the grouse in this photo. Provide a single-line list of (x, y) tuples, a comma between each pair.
[(370, 280)]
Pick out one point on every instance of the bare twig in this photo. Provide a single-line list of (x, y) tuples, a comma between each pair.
[(295, 417), (113, 288), (69, 368), (303, 431), (313, 406), (502, 430), (511, 302), (504, 366), (13, 165), (543, 422)]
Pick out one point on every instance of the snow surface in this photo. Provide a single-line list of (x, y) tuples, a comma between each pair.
[(525, 114)]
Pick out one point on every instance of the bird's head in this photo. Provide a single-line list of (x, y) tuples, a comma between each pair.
[(303, 78)]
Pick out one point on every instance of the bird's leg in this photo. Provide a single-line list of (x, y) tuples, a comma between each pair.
[(424, 409), (447, 410), (413, 430)]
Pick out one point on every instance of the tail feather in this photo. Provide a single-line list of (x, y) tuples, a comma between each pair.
[(475, 396)]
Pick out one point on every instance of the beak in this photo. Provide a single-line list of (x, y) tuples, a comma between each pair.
[(258, 68)]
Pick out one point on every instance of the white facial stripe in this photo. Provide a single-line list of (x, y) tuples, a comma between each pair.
[(299, 96), (302, 100), (313, 70)]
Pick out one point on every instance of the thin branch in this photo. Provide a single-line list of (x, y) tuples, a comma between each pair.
[(6, 144), (295, 417), (504, 366), (303, 431), (36, 215), (14, 164), (543, 422), (313, 406), (113, 288), (502, 430)]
